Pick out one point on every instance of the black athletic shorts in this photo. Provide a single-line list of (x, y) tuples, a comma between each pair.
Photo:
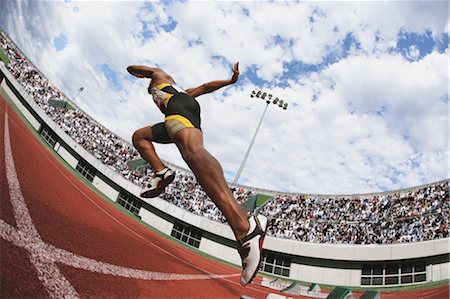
[(181, 111)]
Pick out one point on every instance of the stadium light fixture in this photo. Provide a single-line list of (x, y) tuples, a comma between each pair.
[(262, 95)]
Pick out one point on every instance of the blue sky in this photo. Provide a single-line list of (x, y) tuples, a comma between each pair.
[(366, 82), (60, 42)]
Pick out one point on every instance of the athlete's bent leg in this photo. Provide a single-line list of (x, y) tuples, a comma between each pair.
[(142, 141)]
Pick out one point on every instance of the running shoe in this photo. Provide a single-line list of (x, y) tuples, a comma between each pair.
[(250, 248), (158, 184)]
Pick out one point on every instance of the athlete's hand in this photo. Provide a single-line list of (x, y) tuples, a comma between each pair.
[(235, 70)]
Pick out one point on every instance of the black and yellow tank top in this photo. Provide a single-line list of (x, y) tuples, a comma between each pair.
[(162, 93)]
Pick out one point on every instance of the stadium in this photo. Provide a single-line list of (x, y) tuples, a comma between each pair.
[(73, 224)]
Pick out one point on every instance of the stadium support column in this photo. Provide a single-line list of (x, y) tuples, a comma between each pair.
[(268, 99)]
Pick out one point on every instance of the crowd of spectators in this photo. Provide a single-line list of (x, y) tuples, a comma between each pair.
[(410, 216), (382, 219)]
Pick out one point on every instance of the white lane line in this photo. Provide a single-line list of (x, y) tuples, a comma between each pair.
[(44, 256), (48, 273), (20, 239)]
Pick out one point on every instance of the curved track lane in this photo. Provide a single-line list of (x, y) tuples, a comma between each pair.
[(59, 238)]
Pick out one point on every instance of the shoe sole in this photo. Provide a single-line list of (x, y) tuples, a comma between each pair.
[(160, 188)]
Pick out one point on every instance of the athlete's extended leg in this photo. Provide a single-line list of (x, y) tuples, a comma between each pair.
[(209, 174), (142, 140), (249, 232)]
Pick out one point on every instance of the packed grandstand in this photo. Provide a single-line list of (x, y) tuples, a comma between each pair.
[(411, 215)]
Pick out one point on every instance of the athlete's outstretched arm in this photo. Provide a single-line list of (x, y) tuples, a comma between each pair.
[(142, 71), (214, 85)]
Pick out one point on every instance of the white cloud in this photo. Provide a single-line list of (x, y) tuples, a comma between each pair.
[(413, 52), (370, 121)]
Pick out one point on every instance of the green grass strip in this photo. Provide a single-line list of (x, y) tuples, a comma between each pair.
[(4, 57)]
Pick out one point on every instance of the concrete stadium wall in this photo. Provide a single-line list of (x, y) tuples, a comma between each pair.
[(348, 252), (440, 272), (157, 222), (62, 151), (111, 184), (105, 188)]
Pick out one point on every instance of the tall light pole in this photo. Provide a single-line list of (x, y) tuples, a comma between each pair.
[(79, 91), (268, 99)]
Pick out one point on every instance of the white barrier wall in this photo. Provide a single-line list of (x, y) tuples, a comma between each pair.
[(348, 252), (440, 272), (105, 188), (71, 160), (155, 221), (318, 274), (218, 250)]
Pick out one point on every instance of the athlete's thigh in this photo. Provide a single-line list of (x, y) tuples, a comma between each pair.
[(188, 139), (144, 133), (159, 134)]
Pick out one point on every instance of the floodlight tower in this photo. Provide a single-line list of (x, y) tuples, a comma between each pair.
[(78, 93), (267, 97)]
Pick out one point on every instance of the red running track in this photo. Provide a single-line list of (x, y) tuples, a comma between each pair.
[(59, 238)]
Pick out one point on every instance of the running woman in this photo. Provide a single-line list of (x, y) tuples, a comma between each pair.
[(182, 126)]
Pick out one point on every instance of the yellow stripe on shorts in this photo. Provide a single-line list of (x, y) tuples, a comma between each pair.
[(186, 122), (176, 123)]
